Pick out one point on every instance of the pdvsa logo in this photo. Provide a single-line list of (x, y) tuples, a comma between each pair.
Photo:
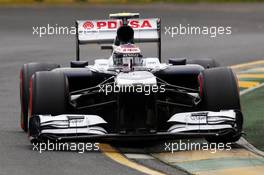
[(88, 25), (114, 24)]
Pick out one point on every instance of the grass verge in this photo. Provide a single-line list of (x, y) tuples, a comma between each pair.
[(253, 110)]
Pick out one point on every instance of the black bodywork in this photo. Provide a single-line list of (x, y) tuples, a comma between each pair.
[(128, 112)]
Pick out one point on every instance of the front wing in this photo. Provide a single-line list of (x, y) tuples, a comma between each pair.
[(93, 127)]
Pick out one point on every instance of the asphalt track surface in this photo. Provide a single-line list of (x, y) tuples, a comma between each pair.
[(19, 46)]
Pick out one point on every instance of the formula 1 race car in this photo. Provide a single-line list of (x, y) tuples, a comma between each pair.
[(129, 95)]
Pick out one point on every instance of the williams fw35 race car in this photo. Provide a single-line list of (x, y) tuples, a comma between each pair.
[(129, 95)]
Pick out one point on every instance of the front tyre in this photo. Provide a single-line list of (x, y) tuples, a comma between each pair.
[(26, 73), (219, 91), (49, 93)]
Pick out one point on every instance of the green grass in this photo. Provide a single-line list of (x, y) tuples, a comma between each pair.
[(209, 1), (253, 110), (241, 89)]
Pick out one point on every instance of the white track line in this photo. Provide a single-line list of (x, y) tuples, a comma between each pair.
[(244, 143), (251, 89), (138, 156)]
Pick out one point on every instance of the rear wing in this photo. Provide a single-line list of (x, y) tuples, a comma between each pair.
[(104, 31)]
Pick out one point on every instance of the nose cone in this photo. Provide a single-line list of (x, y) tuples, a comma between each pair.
[(136, 78)]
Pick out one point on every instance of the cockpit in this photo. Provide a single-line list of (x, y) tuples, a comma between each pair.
[(127, 55)]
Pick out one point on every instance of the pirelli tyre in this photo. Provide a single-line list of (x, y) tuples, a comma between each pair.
[(219, 91), (26, 72), (49, 93), (207, 63)]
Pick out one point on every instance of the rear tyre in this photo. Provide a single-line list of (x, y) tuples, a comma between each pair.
[(207, 63), (219, 91), (26, 72), (49, 93)]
